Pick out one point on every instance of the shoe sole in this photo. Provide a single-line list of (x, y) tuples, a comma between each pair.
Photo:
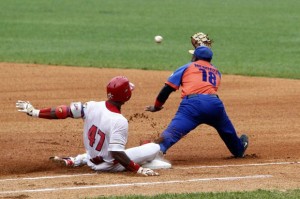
[(58, 160)]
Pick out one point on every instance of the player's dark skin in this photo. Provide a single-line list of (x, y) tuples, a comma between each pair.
[(121, 157)]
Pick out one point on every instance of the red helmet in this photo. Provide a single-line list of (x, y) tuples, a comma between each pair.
[(119, 89)]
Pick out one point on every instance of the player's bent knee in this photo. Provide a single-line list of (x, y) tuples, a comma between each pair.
[(152, 146)]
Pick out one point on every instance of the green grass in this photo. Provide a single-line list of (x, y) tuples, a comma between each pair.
[(256, 38), (259, 194)]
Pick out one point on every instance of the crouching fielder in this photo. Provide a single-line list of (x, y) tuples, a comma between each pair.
[(105, 131)]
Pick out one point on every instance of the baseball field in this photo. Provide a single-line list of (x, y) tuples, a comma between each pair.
[(62, 51)]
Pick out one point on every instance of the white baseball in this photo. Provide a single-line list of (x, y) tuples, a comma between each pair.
[(158, 39)]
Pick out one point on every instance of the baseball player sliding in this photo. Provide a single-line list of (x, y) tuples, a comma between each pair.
[(105, 131), (199, 82)]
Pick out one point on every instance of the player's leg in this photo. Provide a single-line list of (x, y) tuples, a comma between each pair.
[(144, 153), (148, 156), (185, 120), (79, 160), (140, 155), (237, 146)]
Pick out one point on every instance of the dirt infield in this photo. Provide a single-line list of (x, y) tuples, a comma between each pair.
[(267, 109)]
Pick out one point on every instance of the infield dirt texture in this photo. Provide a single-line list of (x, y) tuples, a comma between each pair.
[(267, 109)]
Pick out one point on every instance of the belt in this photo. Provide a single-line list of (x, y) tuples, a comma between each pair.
[(196, 95)]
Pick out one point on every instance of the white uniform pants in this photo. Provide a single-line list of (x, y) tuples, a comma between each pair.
[(140, 155)]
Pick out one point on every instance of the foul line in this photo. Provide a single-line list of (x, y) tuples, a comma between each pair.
[(137, 184), (194, 167), (238, 165), (49, 177)]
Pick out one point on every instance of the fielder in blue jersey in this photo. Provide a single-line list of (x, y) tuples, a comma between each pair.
[(199, 81)]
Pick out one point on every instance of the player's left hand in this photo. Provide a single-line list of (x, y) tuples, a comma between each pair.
[(153, 108), (25, 107), (147, 172)]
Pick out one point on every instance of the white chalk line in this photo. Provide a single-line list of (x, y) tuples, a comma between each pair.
[(194, 167), (239, 165), (48, 177), (137, 184)]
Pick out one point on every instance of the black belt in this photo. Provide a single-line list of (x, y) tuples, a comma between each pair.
[(196, 95)]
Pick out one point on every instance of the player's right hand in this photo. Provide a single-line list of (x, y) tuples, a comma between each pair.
[(153, 108), (147, 172), (25, 107)]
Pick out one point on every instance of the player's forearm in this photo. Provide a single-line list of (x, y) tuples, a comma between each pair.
[(163, 96), (75, 110), (60, 112), (124, 160)]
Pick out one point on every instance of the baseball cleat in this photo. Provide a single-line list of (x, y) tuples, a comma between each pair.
[(67, 161), (245, 142)]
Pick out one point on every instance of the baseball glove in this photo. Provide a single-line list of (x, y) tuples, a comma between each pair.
[(200, 39)]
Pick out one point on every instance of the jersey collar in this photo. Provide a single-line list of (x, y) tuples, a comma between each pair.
[(112, 107)]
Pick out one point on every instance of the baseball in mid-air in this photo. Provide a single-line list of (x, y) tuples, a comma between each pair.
[(158, 39)]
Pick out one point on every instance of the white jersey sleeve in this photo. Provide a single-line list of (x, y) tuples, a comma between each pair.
[(118, 137)]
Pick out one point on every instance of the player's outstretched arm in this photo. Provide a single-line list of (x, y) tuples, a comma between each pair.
[(125, 161), (60, 112), (161, 99)]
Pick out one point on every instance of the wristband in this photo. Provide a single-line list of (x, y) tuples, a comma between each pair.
[(158, 104), (35, 113), (132, 166), (45, 113)]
